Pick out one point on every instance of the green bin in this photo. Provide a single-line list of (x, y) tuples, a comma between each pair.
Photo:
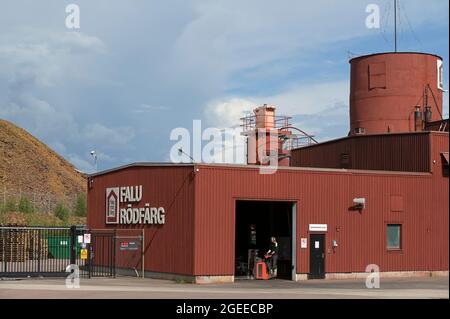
[(59, 247)]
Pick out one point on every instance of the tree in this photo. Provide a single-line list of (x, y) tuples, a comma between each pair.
[(9, 206), (25, 205), (62, 212), (80, 205)]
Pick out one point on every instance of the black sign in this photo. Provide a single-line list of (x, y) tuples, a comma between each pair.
[(129, 245)]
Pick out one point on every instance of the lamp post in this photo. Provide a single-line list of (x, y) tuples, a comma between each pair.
[(94, 155), (181, 152)]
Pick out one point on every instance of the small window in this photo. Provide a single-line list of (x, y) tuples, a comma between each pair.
[(440, 72), (444, 157), (360, 131), (345, 160), (377, 76), (394, 237)]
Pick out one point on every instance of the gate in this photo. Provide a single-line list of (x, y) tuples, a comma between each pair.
[(101, 260), (49, 251)]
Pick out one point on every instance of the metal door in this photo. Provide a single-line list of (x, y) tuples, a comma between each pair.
[(317, 256)]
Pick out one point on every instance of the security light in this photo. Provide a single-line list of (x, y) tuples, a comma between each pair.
[(360, 203)]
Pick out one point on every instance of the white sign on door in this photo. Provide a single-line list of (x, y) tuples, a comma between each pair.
[(318, 227), (317, 244)]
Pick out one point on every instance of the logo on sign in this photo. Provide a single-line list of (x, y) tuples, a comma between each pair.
[(112, 205)]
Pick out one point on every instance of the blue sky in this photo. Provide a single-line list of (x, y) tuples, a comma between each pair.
[(135, 70)]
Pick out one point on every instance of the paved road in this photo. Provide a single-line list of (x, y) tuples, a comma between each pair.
[(126, 287)]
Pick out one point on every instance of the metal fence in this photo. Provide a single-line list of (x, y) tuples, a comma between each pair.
[(49, 251)]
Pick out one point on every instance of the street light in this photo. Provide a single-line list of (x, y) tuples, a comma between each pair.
[(94, 155), (181, 152)]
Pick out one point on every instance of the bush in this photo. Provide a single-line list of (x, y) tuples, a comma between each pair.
[(25, 206), (80, 206), (62, 212), (9, 206)]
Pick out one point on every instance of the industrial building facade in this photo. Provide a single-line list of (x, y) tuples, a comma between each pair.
[(377, 197), (201, 205)]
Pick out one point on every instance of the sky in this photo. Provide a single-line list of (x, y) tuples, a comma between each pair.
[(136, 70)]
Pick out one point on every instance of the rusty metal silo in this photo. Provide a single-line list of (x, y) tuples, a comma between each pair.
[(395, 92)]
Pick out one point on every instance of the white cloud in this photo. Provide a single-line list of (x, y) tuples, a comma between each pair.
[(231, 35), (41, 118), (72, 87), (46, 56), (227, 112), (145, 108), (310, 99), (72, 42), (107, 137), (232, 150), (318, 109), (301, 99), (39, 60), (81, 164)]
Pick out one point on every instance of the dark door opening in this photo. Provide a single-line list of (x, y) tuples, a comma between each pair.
[(256, 223), (317, 256)]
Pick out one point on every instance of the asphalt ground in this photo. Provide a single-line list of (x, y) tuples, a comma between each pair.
[(138, 288)]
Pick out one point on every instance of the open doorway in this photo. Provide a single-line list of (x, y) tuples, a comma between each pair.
[(256, 223)]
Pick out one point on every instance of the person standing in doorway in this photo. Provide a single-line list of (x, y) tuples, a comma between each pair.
[(273, 253)]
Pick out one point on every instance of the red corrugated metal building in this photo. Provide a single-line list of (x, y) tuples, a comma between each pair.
[(379, 199), (198, 237)]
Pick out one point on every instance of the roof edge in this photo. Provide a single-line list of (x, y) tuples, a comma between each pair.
[(365, 136), (393, 53), (142, 164), (245, 166)]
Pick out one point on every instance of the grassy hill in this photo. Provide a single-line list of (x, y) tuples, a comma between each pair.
[(31, 171)]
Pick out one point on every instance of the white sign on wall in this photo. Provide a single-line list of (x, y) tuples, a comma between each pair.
[(123, 206), (304, 243), (318, 227), (87, 238)]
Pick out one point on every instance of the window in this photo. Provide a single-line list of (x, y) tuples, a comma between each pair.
[(444, 164), (345, 160), (360, 130), (394, 237), (377, 76), (440, 72)]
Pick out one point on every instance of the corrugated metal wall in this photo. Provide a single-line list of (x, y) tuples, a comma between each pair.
[(202, 243), (325, 198), (169, 248), (396, 152)]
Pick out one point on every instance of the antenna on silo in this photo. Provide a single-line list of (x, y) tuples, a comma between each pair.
[(395, 24)]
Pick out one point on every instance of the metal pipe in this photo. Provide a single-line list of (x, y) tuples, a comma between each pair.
[(428, 114), (143, 253), (418, 119)]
